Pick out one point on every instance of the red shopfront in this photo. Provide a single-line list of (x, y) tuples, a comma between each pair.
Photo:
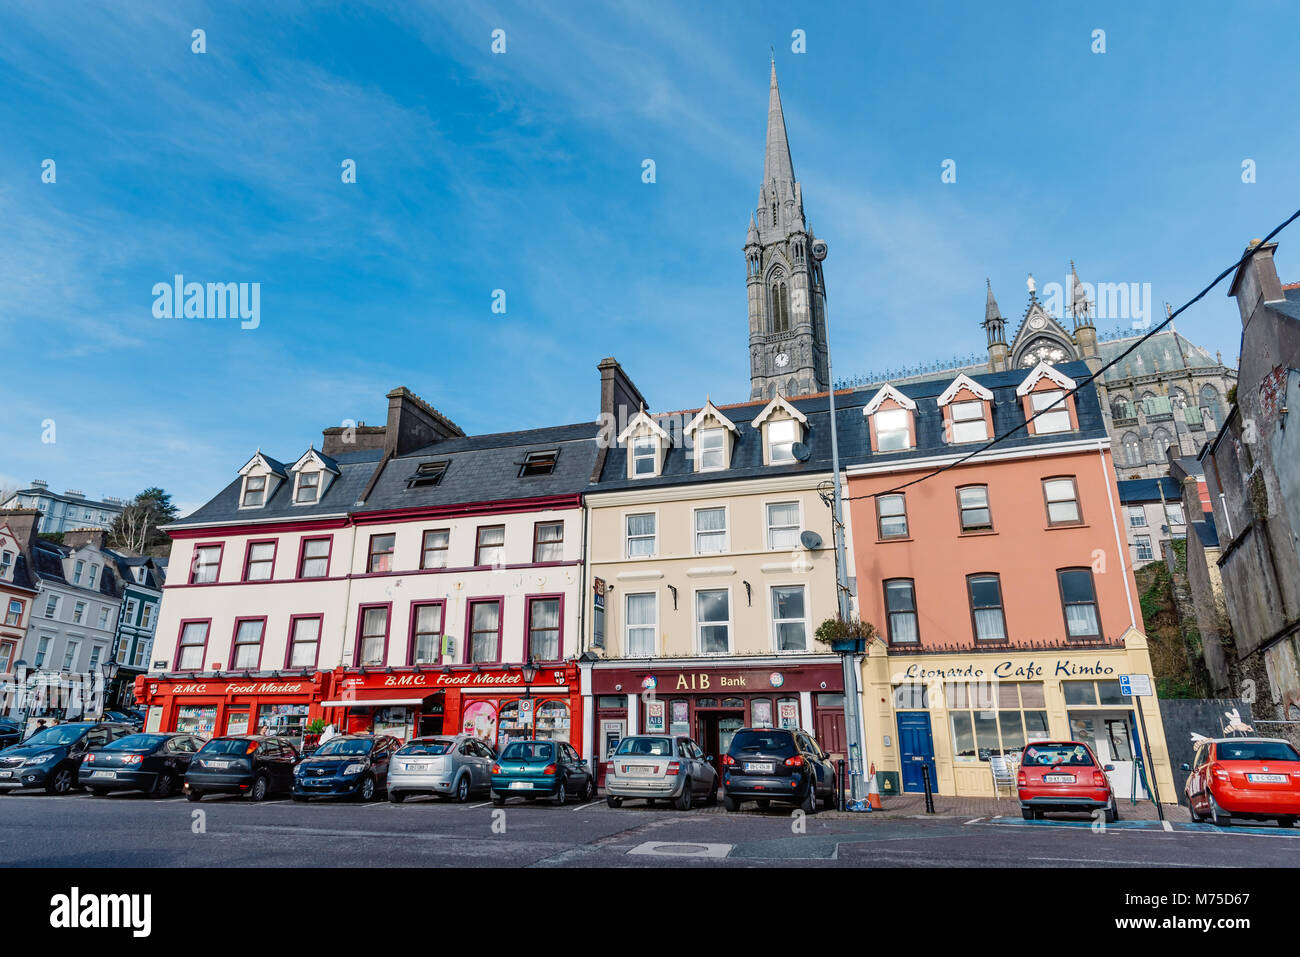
[(493, 704), (710, 700), (215, 706)]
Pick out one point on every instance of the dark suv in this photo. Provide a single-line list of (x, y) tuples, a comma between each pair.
[(50, 758), (254, 765), (773, 764)]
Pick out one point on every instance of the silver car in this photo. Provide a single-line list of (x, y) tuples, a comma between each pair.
[(450, 765), (653, 766)]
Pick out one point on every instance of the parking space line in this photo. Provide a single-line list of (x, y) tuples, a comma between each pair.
[(484, 804), (580, 807)]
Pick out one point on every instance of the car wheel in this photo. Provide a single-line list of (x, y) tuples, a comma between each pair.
[(498, 800), (1112, 811), (98, 792), (1197, 817), (396, 797), (809, 803), (730, 803), (589, 791), (60, 782), (258, 791), (1027, 813), (711, 799), (462, 789), (163, 786), (194, 795), (366, 792), (1217, 815), (683, 801), (613, 801), (559, 794)]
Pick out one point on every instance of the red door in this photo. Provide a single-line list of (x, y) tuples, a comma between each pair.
[(830, 732)]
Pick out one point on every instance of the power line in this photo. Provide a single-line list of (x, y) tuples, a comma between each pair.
[(1093, 376)]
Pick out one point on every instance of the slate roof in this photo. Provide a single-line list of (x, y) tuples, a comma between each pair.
[(1206, 531), (1290, 306), (1167, 349), (47, 561), (1137, 491), (22, 574), (126, 565), (853, 432), (485, 468)]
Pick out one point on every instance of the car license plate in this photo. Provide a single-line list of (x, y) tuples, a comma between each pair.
[(640, 769), (218, 764), (104, 774), (1266, 778), (763, 767), (6, 774), (1059, 778), (416, 767), (520, 785)]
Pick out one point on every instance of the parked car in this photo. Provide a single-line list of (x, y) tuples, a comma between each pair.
[(347, 765), (1063, 776), (254, 765), (1252, 778), (124, 717), (49, 758), (155, 763), (660, 766), (776, 764), (11, 732), (536, 769), (449, 765)]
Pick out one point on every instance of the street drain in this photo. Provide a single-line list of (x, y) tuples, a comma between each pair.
[(672, 849)]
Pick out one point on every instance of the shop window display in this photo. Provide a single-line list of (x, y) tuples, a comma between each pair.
[(787, 711), (1002, 718), (197, 719), (480, 720), (285, 720), (679, 717), (761, 713)]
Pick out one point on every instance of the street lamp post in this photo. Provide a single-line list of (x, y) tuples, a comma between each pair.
[(20, 672), (529, 669), (109, 668)]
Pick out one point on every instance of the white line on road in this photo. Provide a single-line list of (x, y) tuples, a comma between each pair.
[(975, 820), (484, 804), (1093, 860), (579, 807)]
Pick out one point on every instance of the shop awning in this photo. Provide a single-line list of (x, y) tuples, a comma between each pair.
[(381, 698)]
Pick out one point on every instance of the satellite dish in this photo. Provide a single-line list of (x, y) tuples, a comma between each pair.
[(801, 452), (810, 540)]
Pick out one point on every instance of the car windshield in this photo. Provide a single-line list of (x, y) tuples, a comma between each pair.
[(136, 742), (436, 746), (657, 747), (780, 744), (528, 751), (228, 746), (60, 734), (1256, 751), (344, 746), (1053, 755)]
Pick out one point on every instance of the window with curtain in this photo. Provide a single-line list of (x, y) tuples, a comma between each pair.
[(782, 525), (308, 487), (248, 644), (710, 531), (207, 562), (490, 548), (891, 516), (261, 558), (986, 607), (641, 535), (900, 608), (426, 639), (1062, 497), (892, 430), (315, 558), (790, 617), (544, 629), (433, 548), (548, 541), (711, 446), (381, 553), (194, 637), (374, 630), (485, 630), (641, 625), (254, 491), (303, 642), (713, 617), (1080, 601)]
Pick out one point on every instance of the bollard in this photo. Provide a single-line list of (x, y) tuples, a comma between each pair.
[(839, 785), (929, 795)]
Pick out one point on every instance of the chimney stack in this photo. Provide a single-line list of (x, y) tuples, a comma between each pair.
[(76, 537), (413, 423), (23, 522), (619, 396), (1256, 280)]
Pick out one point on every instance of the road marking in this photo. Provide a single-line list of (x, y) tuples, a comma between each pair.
[(1168, 826), (1093, 860), (975, 820), (579, 807), (484, 804)]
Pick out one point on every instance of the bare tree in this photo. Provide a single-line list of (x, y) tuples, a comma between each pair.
[(137, 527)]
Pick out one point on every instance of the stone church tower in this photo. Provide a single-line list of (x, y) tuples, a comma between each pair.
[(787, 297)]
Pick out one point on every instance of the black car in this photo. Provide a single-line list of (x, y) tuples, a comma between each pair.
[(49, 758), (155, 763), (254, 765), (774, 764), (124, 717), (11, 732), (347, 765)]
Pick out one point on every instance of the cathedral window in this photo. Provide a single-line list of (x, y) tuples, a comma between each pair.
[(779, 307)]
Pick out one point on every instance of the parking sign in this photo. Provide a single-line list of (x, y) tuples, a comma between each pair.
[(1135, 685)]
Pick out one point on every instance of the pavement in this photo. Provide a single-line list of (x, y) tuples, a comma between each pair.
[(129, 830)]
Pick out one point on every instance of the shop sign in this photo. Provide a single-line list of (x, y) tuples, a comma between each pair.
[(265, 687), (654, 717), (707, 682), (467, 679), (1135, 685), (1061, 668)]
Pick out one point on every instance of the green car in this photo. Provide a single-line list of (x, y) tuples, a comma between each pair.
[(533, 769)]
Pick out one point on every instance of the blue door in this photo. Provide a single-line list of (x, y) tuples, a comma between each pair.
[(916, 745)]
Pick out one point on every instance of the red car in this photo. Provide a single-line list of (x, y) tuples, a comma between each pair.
[(1257, 778), (1063, 776)]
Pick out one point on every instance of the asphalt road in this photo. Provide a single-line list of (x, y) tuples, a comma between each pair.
[(127, 830)]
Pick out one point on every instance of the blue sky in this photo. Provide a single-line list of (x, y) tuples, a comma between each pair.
[(522, 172)]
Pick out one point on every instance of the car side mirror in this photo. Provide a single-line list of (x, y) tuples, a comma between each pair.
[(1187, 767)]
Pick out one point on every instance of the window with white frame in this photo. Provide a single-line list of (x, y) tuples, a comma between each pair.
[(641, 535), (141, 653), (781, 437), (123, 651), (1137, 516), (893, 431), (194, 638), (641, 625), (1057, 416), (1174, 514), (713, 621), (254, 491), (1142, 543), (76, 572), (146, 615), (103, 618), (6, 563), (42, 649), (710, 531), (968, 423), (78, 612), (782, 525), (94, 571), (129, 616), (70, 651), (308, 488), (14, 613), (645, 451), (790, 617), (51, 606), (248, 644), (6, 655), (711, 449), (95, 652)]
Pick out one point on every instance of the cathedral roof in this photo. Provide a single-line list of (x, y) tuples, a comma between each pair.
[(1166, 351)]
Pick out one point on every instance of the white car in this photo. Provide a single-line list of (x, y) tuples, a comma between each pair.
[(654, 766)]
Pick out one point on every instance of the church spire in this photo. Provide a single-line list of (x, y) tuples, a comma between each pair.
[(777, 165), (995, 327)]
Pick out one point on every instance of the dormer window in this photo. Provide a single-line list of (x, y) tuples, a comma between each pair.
[(968, 423), (890, 415), (967, 411), (539, 463), (646, 444), (254, 491), (783, 426), (712, 450), (427, 474), (1045, 390), (1056, 418), (308, 490), (711, 434)]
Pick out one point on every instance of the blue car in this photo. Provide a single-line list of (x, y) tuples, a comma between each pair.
[(51, 757), (533, 769), (347, 765)]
